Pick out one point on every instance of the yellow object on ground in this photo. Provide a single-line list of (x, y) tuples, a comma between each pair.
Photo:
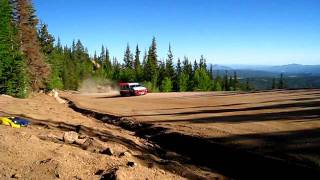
[(8, 122)]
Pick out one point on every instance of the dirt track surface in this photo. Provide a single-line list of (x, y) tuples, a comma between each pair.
[(39, 151), (281, 124)]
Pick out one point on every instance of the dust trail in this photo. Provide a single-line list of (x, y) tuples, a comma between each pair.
[(105, 86)]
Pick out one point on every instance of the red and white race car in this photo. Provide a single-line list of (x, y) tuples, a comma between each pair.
[(132, 89)]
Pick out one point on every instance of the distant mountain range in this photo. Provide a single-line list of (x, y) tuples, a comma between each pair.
[(296, 75), (288, 70)]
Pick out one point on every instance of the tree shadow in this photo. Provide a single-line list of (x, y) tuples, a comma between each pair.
[(235, 118), (307, 115), (274, 160)]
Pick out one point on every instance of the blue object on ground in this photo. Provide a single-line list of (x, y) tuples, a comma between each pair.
[(21, 121)]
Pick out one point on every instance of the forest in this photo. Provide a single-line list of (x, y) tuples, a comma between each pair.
[(33, 60)]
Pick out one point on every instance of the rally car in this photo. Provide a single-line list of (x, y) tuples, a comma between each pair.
[(132, 89)]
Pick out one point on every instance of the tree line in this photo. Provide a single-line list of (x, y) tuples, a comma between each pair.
[(33, 60)]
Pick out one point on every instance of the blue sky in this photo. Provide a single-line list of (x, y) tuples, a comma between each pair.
[(224, 31)]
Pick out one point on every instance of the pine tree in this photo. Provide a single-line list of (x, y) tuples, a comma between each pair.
[(195, 65), (247, 85), (102, 56), (273, 83), (46, 40), (202, 81), (13, 75), (211, 71), (226, 85), (166, 85), (183, 82), (169, 64), (187, 69), (161, 73), (95, 57), (137, 65), (230, 83), (235, 81), (53, 57), (151, 67), (38, 70), (128, 58), (281, 82), (59, 46), (179, 69), (116, 69), (218, 84), (144, 60), (202, 63), (107, 66)]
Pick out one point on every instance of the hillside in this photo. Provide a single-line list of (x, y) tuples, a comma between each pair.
[(260, 77)]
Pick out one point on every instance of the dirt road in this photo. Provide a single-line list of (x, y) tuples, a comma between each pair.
[(40, 151), (284, 125)]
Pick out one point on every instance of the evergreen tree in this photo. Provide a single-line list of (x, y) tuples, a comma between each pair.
[(38, 70), (46, 40), (217, 86), (230, 83), (202, 81), (161, 73), (202, 63), (247, 85), (151, 67), (218, 83), (187, 69), (195, 65), (116, 69), (226, 85), (144, 60), (59, 46), (166, 85), (13, 75), (56, 60), (235, 81), (211, 71), (179, 69), (53, 57), (95, 57), (102, 56), (106, 66), (107, 56), (281, 82), (128, 58), (137, 65), (70, 71), (273, 83), (169, 64), (183, 82)]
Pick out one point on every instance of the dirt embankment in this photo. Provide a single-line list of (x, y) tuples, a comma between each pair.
[(61, 143)]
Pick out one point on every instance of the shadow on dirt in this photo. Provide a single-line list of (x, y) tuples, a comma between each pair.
[(237, 162), (297, 115), (315, 104), (230, 160)]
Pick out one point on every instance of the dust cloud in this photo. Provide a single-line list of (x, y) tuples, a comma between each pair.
[(98, 86)]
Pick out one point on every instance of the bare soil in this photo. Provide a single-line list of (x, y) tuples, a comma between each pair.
[(281, 126), (40, 152)]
